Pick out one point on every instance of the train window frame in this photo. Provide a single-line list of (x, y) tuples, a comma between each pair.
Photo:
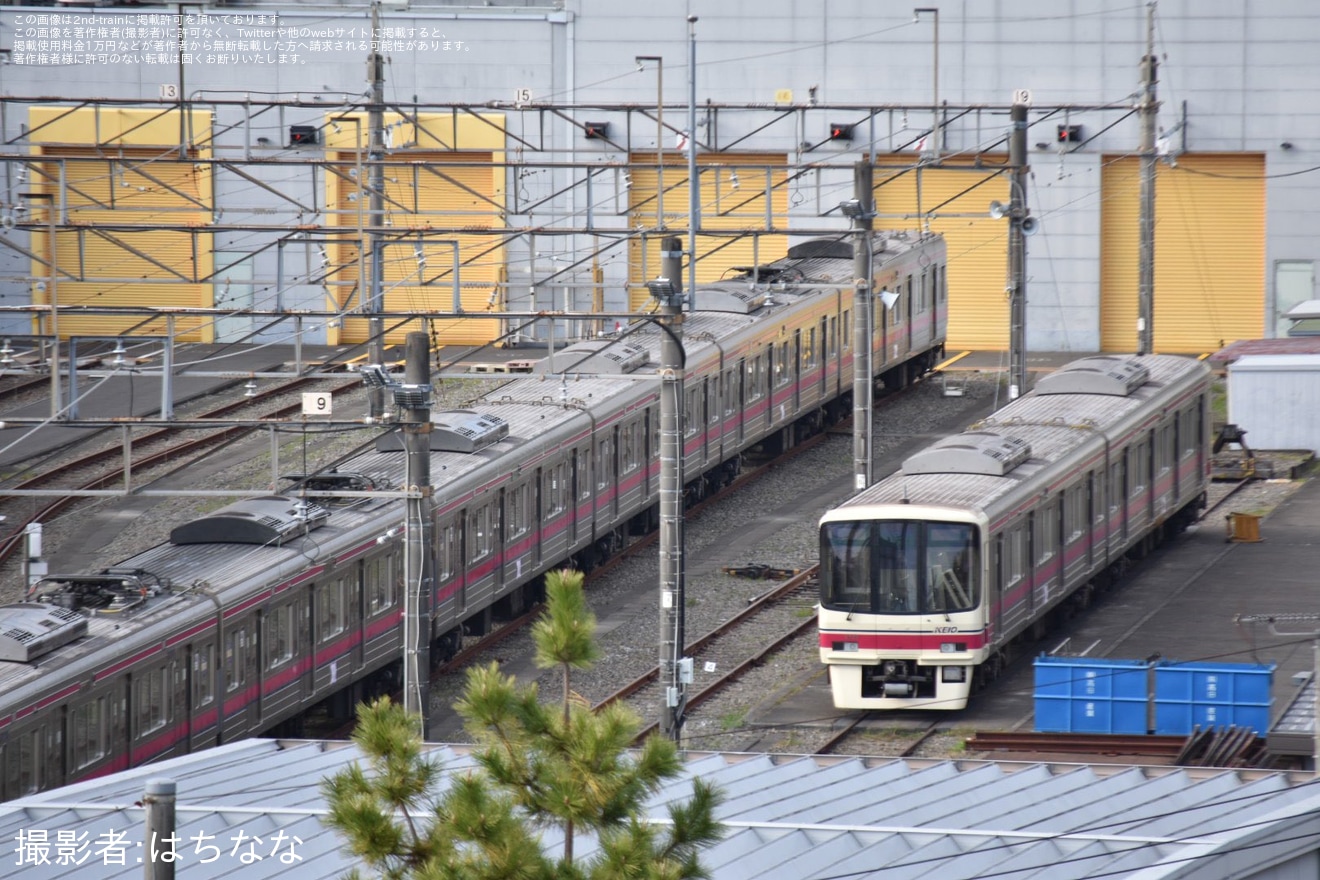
[(449, 554), (203, 674), (604, 458), (88, 732), (845, 334), (278, 635), (332, 609), (517, 521), (382, 586), (630, 457), (236, 656), (151, 701)]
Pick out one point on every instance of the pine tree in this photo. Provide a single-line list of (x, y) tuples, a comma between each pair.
[(538, 766)]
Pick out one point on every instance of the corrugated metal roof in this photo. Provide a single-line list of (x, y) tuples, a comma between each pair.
[(785, 817)]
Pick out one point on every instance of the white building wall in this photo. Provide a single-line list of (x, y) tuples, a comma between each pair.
[(1276, 399)]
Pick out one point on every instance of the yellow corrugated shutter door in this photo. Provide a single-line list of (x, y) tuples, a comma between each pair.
[(432, 191), (956, 196), (1209, 287), (736, 190), (138, 215)]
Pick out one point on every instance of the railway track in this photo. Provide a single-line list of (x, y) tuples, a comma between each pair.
[(96, 470), (732, 659)]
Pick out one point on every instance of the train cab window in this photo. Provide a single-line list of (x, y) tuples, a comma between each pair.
[(237, 645), (899, 567), (381, 582), (278, 635), (203, 675), (333, 603)]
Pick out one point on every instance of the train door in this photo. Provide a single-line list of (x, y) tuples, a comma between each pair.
[(910, 305), (994, 602), (202, 707), (580, 489), (1029, 569), (740, 390), (505, 523), (461, 576), (538, 502)]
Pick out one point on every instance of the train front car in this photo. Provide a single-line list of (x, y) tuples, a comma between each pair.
[(902, 617), (934, 576)]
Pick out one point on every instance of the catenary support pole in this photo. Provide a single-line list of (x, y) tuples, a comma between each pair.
[(1148, 109), (863, 323), (418, 578), (1017, 254), (672, 587), (376, 213)]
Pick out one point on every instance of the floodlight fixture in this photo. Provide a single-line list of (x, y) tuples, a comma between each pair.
[(412, 396), (663, 290), (854, 209)]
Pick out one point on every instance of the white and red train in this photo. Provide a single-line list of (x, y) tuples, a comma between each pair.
[(929, 576), (266, 608)]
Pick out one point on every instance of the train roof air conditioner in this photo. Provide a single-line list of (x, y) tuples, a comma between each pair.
[(29, 630), (1103, 374), (973, 452), (455, 430), (271, 519)]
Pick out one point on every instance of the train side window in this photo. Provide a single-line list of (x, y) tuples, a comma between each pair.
[(832, 342), (605, 462), (809, 349), (1015, 554), (382, 585), (515, 504), (1047, 530), (845, 334), (1115, 487), (23, 764), (278, 635), (1140, 467), (731, 393), (783, 373), (152, 701), (584, 473), (1074, 514), (448, 551), (89, 733), (1165, 452), (333, 617), (236, 653), (630, 456), (203, 675), (481, 528)]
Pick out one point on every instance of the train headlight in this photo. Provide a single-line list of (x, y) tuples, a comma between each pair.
[(845, 647), (953, 673), (952, 647)]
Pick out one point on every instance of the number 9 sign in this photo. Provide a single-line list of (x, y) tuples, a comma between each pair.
[(316, 403)]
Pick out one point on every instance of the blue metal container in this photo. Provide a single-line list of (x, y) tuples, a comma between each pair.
[(1206, 695), (1084, 695)]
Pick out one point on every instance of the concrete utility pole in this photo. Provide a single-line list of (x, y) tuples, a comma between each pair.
[(1148, 109), (694, 183), (1017, 255), (376, 167), (861, 210), (160, 853), (668, 289), (418, 577)]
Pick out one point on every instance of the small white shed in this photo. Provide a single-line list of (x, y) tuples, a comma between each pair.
[(1275, 398)]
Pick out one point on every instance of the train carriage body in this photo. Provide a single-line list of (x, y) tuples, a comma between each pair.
[(257, 612), (929, 576)]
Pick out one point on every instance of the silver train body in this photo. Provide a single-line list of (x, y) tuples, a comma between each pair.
[(929, 576), (257, 612)]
